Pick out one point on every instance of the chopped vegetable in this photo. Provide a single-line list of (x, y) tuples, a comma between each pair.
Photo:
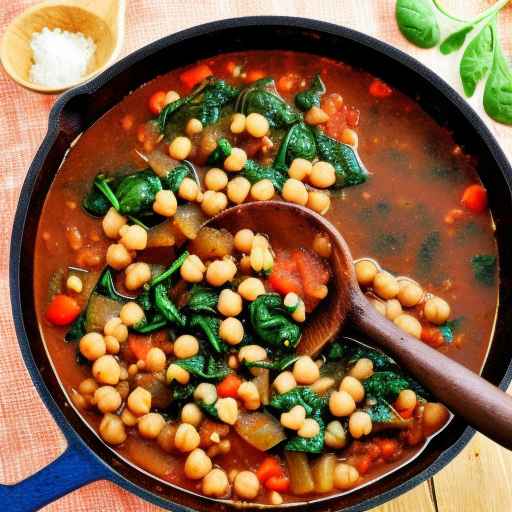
[(100, 310), (210, 328), (220, 153), (203, 300), (166, 307), (191, 77), (259, 429), (378, 89), (229, 386), (301, 477), (211, 243), (323, 473), (255, 172), (157, 102), (475, 198), (62, 310), (311, 97)]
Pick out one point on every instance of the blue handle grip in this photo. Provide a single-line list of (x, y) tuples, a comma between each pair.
[(73, 469)]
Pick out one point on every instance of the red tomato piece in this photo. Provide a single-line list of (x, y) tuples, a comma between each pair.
[(157, 102), (193, 76), (388, 447), (288, 82), (139, 345), (285, 277), (270, 467), (314, 275), (253, 75), (62, 310), (278, 483), (229, 386), (352, 117), (432, 336), (362, 464), (379, 89), (475, 198)]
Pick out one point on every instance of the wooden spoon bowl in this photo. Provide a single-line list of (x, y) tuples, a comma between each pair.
[(101, 20), (482, 405)]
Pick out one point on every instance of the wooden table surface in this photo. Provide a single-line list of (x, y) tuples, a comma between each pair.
[(478, 480)]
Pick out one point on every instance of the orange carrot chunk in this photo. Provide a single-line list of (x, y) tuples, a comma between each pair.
[(379, 89), (191, 77), (229, 386), (278, 483), (157, 102), (62, 310), (253, 75), (269, 468), (475, 198)]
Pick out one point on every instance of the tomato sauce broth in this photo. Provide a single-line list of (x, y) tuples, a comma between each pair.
[(418, 175)]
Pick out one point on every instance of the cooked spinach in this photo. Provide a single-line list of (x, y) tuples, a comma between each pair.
[(220, 153), (172, 181), (77, 328), (484, 268), (209, 409), (204, 368), (101, 184), (299, 396), (174, 267), (209, 326), (386, 244), (312, 445), (448, 329), (417, 22), (336, 351), (277, 364), (166, 307), (311, 97), (254, 172), (428, 252), (299, 142), (345, 160), (272, 323), (136, 192), (96, 203), (202, 300), (385, 385), (182, 393), (380, 412)]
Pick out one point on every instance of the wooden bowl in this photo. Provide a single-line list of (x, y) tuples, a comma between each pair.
[(101, 20)]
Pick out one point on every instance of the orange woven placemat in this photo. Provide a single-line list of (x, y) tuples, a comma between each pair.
[(28, 435)]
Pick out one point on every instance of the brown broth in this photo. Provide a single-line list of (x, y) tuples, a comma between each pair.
[(418, 174)]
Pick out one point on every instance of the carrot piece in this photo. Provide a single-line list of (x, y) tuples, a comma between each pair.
[(432, 336), (475, 198), (253, 75), (62, 310), (285, 277), (139, 346), (193, 76), (288, 82), (314, 275), (388, 447), (278, 483), (269, 468), (157, 102), (379, 89), (229, 386), (362, 464), (406, 413)]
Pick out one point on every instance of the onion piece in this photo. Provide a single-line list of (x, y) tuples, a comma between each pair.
[(260, 430)]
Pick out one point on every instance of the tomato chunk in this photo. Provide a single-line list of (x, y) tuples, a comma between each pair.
[(229, 386), (379, 89), (191, 77), (278, 483), (139, 346), (157, 102), (253, 75), (269, 468), (475, 198), (62, 310)]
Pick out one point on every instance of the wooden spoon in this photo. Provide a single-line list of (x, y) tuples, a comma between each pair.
[(484, 406), (101, 20)]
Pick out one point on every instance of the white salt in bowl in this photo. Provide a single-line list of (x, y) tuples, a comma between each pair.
[(101, 20)]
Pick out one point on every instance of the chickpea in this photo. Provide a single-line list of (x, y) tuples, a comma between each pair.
[(322, 245), (362, 370), (112, 223), (341, 403), (88, 386), (193, 269), (180, 148), (335, 435), (276, 498), (285, 382), (128, 418), (131, 314), (191, 414), (112, 344), (299, 169), (436, 310), (206, 392), (227, 409), (409, 293), (393, 308), (322, 385), (322, 175), (406, 400), (112, 429), (237, 123), (137, 275), (216, 179), (214, 202), (359, 424), (236, 160), (230, 303), (219, 272), (177, 373), (231, 331), (155, 359), (107, 399), (215, 483), (262, 190), (139, 401), (409, 324), (233, 362), (379, 306), (150, 425), (166, 437), (251, 288), (74, 283), (171, 97), (188, 190), (349, 136), (248, 393), (197, 465), (292, 300), (135, 238), (366, 270), (345, 476), (92, 346), (319, 202), (186, 346), (353, 387), (238, 189), (246, 484), (165, 203), (243, 240), (118, 256), (294, 191), (186, 438), (252, 353), (256, 125), (385, 285), (245, 265), (315, 115), (194, 126), (310, 429), (294, 419), (435, 415), (106, 370), (305, 370)]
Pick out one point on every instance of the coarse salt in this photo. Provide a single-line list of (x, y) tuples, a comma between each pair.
[(60, 57)]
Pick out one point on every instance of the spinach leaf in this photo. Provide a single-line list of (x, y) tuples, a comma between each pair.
[(498, 89), (205, 368), (277, 364), (484, 268), (175, 266), (349, 168), (96, 203), (203, 300), (77, 328), (262, 97), (299, 142), (477, 59), (151, 324), (209, 326), (428, 252), (381, 362), (255, 172), (175, 176), (182, 393), (312, 445), (272, 323), (455, 41), (387, 244), (311, 98), (136, 192), (299, 396), (380, 412), (336, 351), (166, 307), (385, 385), (448, 329), (220, 153), (101, 186), (417, 22), (209, 409)]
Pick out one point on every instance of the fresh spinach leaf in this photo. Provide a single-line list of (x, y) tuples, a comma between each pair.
[(203, 300), (220, 153), (417, 22), (255, 172), (299, 142), (484, 268), (209, 326), (136, 192), (174, 267), (311, 97), (175, 177), (204, 368), (166, 307), (455, 41)]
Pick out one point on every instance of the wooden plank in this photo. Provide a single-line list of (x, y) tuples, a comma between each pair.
[(417, 500)]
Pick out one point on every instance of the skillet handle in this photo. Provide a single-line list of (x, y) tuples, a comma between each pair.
[(73, 469)]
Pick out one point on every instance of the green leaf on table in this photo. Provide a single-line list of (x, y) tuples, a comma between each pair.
[(417, 22), (455, 41)]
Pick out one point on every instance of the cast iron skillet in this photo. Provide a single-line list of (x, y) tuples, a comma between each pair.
[(87, 459)]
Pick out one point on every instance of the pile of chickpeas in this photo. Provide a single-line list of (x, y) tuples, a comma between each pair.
[(390, 295)]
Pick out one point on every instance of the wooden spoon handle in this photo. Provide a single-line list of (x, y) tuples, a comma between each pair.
[(484, 406)]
